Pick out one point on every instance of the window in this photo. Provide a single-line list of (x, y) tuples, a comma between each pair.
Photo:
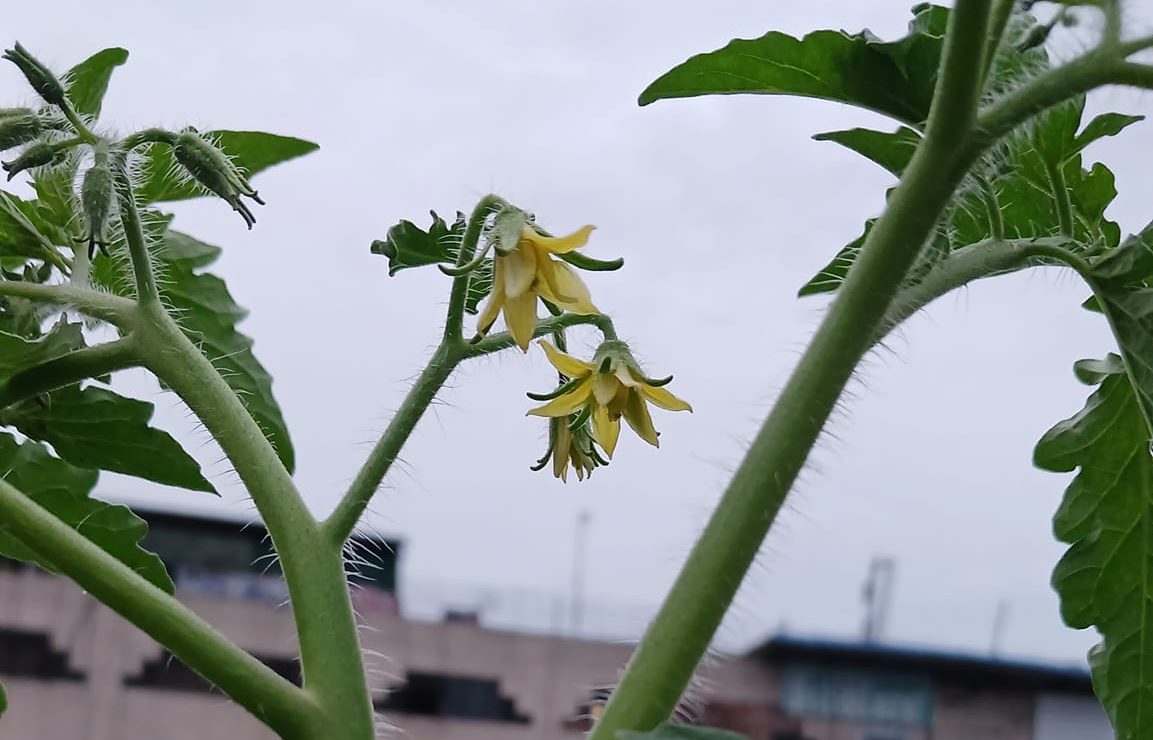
[(31, 655), (441, 695), (166, 672)]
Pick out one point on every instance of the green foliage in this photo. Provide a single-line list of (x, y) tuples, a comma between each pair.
[(250, 151), (680, 732), (895, 78), (63, 490), (87, 82), (208, 314), (3, 700), (407, 245), (1105, 580), (98, 429)]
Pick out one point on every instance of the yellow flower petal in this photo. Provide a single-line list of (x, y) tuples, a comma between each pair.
[(605, 387), (560, 454), (565, 288), (566, 404), (637, 415), (664, 399), (494, 303), (565, 364), (519, 271), (558, 245), (606, 430), (520, 315)]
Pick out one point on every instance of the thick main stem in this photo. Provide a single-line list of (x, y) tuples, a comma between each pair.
[(313, 568), (277, 703), (682, 630)]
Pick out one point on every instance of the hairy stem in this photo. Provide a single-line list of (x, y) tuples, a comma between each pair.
[(113, 309), (683, 628), (348, 512), (444, 361), (146, 290), (1060, 191), (273, 700), (90, 362), (454, 321), (313, 569)]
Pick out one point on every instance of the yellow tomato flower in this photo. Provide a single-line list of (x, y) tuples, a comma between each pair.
[(608, 388), (570, 443), (527, 271)]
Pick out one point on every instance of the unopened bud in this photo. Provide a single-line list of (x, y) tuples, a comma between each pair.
[(96, 197), (37, 155), (39, 77), (212, 168), (18, 126)]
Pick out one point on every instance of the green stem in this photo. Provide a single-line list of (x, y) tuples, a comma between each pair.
[(313, 568), (1060, 196), (454, 321), (664, 662), (992, 208), (84, 133), (275, 701), (146, 291), (147, 136), (444, 361), (503, 340), (90, 362), (351, 507), (113, 309), (998, 20), (981, 260)]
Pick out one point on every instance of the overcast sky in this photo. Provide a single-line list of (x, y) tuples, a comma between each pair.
[(721, 207)]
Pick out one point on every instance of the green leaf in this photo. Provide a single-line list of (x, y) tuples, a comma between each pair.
[(206, 311), (251, 151), (96, 428), (18, 353), (1105, 579), (63, 490), (87, 82), (1106, 124), (208, 314), (679, 732), (893, 151), (3, 700), (19, 234), (407, 245), (894, 78)]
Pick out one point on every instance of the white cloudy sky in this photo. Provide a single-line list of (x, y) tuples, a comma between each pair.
[(722, 208)]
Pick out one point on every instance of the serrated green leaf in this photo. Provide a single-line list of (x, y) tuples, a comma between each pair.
[(894, 78), (893, 151), (96, 428), (19, 234), (1105, 579), (251, 151), (407, 245), (679, 732), (87, 82), (206, 311), (63, 490)]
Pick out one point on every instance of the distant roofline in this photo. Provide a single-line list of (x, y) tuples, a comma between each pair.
[(251, 522), (955, 665)]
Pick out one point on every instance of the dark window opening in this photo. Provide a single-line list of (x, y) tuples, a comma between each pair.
[(31, 655), (440, 695), (167, 672)]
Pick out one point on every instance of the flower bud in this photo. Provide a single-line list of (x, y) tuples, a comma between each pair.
[(211, 167), (39, 77), (18, 126), (96, 196), (37, 155)]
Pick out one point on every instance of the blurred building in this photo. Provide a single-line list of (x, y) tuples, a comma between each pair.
[(75, 671)]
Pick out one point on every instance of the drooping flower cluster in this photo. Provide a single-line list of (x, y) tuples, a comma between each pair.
[(525, 270), (604, 391)]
